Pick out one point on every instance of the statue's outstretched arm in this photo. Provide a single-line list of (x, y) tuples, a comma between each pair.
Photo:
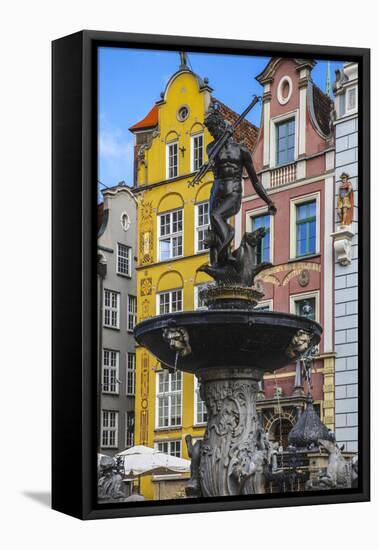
[(260, 190)]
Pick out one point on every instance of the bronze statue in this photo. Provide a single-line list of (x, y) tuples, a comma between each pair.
[(227, 158), (243, 267), (345, 204), (339, 473), (110, 485), (193, 488)]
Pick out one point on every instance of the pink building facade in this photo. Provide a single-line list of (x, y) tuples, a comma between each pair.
[(294, 157)]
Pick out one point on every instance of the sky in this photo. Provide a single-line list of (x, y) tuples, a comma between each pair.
[(131, 80)]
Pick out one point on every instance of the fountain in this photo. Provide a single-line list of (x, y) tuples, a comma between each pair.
[(230, 345)]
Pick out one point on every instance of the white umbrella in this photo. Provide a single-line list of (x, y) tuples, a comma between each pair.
[(140, 459)]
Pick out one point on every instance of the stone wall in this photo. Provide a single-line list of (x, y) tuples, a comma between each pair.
[(346, 298)]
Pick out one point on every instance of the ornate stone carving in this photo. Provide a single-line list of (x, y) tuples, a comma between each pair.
[(293, 269), (303, 277), (178, 340), (144, 416), (146, 286), (339, 473), (146, 236), (110, 485), (234, 454), (299, 344), (342, 245)]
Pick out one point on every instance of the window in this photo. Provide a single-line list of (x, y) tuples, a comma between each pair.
[(169, 399), (342, 104), (306, 305), (109, 429), (172, 160), (111, 309), (125, 221), (124, 259), (306, 308), (263, 251), (264, 305), (131, 374), (201, 225), (132, 312), (173, 448), (197, 151), (306, 228), (170, 235), (285, 141), (198, 300), (200, 407), (351, 99), (183, 113), (129, 429), (110, 371), (170, 302)]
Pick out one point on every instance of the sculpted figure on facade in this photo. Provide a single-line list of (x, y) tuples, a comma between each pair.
[(345, 204)]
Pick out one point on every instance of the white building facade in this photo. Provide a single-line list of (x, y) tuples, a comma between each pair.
[(117, 314), (346, 260)]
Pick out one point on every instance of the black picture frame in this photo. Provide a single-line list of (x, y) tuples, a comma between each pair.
[(74, 151)]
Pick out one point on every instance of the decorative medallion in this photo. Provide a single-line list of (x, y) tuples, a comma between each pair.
[(146, 286), (303, 277), (146, 237)]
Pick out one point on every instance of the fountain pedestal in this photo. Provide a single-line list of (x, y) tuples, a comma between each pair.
[(229, 349), (232, 454)]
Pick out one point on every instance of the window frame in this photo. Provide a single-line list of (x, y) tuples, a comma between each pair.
[(265, 303), (169, 443), (110, 368), (354, 109), (199, 228), (109, 429), (130, 313), (193, 138), (171, 235), (274, 121), (196, 289), (132, 373), (127, 414), (168, 146), (294, 202), (305, 296), (169, 292), (169, 394), (128, 272), (111, 309), (196, 401), (250, 214)]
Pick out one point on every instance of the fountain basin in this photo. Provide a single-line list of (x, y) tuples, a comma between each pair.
[(228, 338)]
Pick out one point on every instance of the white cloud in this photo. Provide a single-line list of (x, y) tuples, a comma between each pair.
[(114, 145)]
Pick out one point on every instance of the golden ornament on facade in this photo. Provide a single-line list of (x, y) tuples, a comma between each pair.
[(145, 309), (146, 210), (146, 286)]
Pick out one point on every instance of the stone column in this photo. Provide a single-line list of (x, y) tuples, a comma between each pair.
[(233, 453)]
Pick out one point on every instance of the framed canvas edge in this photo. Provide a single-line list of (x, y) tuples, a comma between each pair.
[(83, 494)]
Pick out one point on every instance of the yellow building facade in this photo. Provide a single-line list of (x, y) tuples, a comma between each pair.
[(172, 219)]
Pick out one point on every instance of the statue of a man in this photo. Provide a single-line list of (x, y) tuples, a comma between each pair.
[(226, 193), (345, 203)]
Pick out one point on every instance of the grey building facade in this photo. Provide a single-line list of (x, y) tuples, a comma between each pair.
[(346, 260), (117, 314)]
